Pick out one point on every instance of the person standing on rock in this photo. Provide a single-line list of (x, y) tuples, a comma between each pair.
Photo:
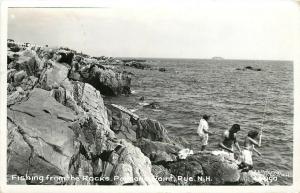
[(203, 131), (249, 146), (229, 139)]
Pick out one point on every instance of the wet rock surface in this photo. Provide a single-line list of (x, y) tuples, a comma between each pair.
[(152, 105)]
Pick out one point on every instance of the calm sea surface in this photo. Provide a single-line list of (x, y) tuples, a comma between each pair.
[(190, 88)]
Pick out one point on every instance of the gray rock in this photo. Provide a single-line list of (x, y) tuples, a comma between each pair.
[(153, 130), (54, 75), (221, 169), (180, 141), (162, 70), (16, 96), (206, 168), (28, 83), (163, 176), (253, 178), (187, 172), (19, 76), (14, 47), (65, 56), (10, 74), (122, 124), (59, 94), (91, 141), (109, 82), (27, 62), (18, 151), (153, 105), (131, 167), (136, 64), (48, 137), (75, 76), (90, 100), (158, 151), (249, 68)]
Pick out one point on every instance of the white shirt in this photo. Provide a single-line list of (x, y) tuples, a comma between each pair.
[(203, 125)]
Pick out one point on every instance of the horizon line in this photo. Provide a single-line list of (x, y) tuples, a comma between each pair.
[(191, 58), (197, 58)]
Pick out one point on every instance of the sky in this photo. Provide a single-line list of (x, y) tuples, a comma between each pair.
[(231, 29)]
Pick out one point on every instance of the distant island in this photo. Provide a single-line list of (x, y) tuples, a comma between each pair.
[(217, 58)]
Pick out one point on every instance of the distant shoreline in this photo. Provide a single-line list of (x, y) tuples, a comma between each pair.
[(154, 58)]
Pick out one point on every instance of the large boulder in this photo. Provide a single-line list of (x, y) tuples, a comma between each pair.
[(28, 83), (12, 56), (26, 61), (18, 152), (52, 140), (65, 56), (19, 76), (13, 47), (187, 172), (92, 140), (16, 96), (107, 81), (253, 178), (47, 53), (163, 175), (80, 97), (206, 168), (122, 124), (127, 165), (10, 75), (53, 75), (221, 168), (153, 130), (21, 79), (92, 136), (60, 142), (101, 155), (88, 99), (158, 152), (42, 124)]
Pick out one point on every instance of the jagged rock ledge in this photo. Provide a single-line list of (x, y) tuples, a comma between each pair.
[(59, 126)]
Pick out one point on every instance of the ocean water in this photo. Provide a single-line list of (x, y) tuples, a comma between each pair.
[(192, 87)]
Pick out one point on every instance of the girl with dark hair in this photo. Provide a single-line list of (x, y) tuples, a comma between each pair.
[(229, 139), (249, 146)]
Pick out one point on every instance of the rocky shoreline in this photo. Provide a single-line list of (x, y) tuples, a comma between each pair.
[(58, 125)]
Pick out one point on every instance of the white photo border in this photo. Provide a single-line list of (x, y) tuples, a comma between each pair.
[(145, 189)]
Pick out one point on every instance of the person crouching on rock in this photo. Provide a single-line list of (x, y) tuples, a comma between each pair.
[(229, 138), (203, 131), (249, 146)]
